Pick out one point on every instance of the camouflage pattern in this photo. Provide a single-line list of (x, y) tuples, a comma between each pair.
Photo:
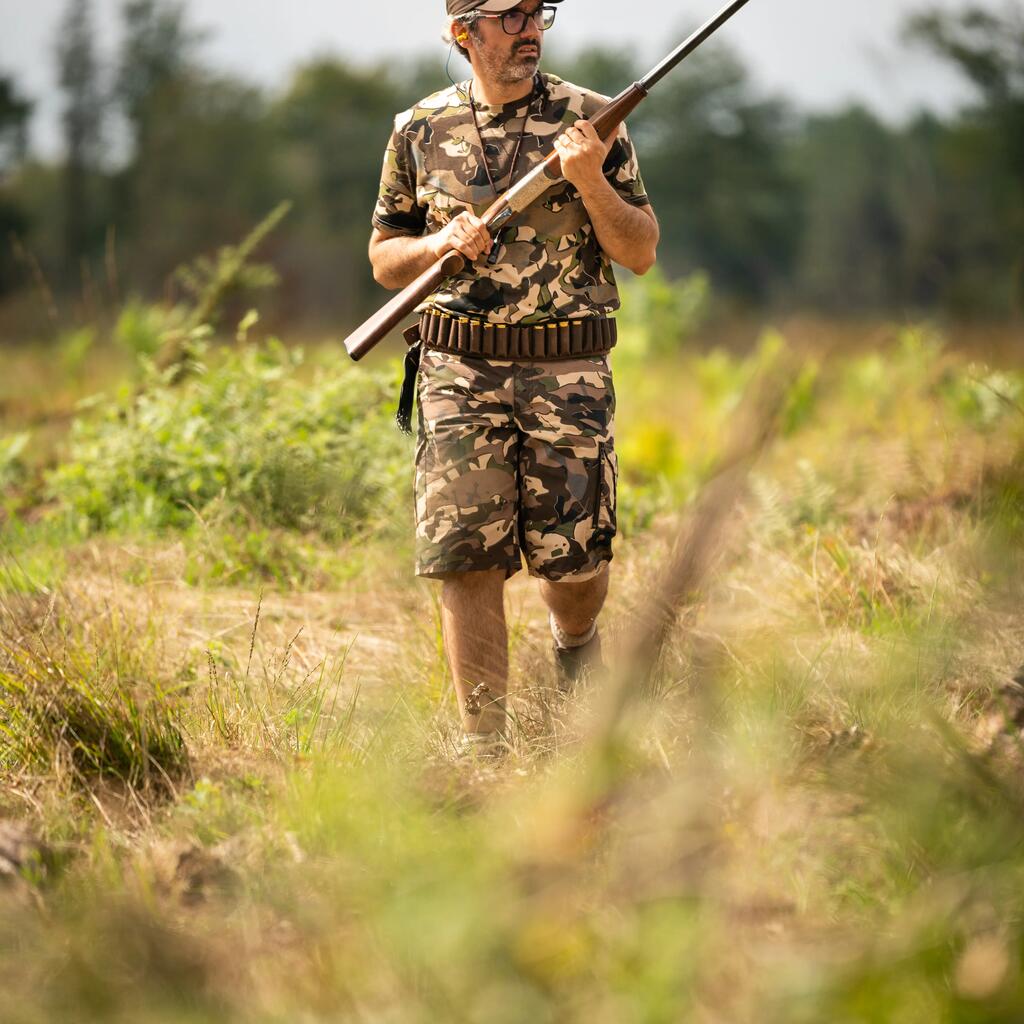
[(549, 262), (515, 457)]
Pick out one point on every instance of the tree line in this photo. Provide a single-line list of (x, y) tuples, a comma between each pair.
[(165, 157)]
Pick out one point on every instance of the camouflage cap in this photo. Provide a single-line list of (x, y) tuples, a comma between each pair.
[(456, 8)]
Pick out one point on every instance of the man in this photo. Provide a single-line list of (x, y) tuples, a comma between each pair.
[(515, 454)]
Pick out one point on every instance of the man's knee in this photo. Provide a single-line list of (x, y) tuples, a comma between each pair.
[(592, 586)]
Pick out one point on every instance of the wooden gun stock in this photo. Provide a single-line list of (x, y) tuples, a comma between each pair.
[(386, 319)]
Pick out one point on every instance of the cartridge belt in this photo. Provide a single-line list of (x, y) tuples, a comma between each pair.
[(548, 340), (551, 339)]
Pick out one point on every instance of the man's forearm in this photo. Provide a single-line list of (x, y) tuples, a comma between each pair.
[(628, 234), (399, 260)]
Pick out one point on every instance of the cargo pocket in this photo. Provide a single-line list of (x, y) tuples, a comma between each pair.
[(605, 492)]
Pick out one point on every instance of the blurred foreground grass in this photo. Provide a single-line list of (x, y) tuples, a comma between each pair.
[(228, 726)]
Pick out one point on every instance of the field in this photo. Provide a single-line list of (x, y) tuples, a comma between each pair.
[(230, 782)]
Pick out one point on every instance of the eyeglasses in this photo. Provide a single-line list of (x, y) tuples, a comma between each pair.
[(513, 22)]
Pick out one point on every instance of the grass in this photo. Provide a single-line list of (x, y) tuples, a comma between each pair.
[(236, 730)]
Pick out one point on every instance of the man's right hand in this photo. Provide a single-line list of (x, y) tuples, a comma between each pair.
[(466, 234)]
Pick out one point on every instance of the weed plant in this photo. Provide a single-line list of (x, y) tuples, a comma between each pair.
[(248, 432)]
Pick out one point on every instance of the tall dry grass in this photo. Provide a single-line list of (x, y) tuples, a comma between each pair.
[(811, 810)]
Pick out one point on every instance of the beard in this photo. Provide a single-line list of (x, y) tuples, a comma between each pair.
[(510, 67)]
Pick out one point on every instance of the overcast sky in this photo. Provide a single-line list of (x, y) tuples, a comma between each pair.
[(820, 53)]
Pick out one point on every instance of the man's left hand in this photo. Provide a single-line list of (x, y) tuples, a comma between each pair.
[(582, 154)]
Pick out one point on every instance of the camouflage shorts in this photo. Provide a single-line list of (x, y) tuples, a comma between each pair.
[(515, 458)]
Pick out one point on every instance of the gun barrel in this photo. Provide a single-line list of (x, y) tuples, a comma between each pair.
[(681, 52)]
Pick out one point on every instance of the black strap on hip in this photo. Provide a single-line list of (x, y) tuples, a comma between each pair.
[(407, 399)]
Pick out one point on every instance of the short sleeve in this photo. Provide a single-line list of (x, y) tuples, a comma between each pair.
[(622, 170), (397, 211)]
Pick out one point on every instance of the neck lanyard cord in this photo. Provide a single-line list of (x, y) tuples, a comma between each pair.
[(519, 141)]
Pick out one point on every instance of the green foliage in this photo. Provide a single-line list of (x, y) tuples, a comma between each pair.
[(230, 546), (210, 282), (249, 431), (662, 315), (12, 468), (802, 399), (32, 556), (983, 397), (75, 347), (141, 327), (194, 133), (854, 239)]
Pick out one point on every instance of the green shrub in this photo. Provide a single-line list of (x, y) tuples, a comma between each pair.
[(12, 468), (248, 433), (141, 327), (982, 397), (660, 315)]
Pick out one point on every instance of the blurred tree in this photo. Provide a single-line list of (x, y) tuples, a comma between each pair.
[(713, 159), (79, 79), (201, 170), (335, 122), (988, 48), (157, 51), (837, 210), (605, 71), (15, 112), (851, 246)]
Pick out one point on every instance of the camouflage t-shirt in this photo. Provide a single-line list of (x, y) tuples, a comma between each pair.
[(549, 263)]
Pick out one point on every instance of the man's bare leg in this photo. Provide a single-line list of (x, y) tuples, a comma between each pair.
[(575, 606), (476, 641)]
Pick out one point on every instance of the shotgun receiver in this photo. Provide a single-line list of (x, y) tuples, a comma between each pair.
[(546, 174)]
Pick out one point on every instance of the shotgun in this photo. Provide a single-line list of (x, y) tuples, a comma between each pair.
[(532, 187)]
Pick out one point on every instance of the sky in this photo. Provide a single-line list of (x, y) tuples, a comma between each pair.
[(818, 53)]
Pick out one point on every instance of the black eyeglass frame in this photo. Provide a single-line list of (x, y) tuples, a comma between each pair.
[(548, 10)]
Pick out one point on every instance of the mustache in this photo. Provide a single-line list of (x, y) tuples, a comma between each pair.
[(520, 46)]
